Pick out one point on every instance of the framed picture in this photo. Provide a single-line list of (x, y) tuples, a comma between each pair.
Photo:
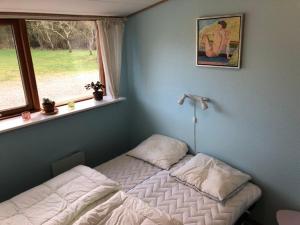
[(219, 41)]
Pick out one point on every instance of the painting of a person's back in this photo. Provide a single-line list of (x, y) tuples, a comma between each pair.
[(219, 41)]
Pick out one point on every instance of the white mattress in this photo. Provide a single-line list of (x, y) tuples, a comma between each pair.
[(156, 187), (128, 171)]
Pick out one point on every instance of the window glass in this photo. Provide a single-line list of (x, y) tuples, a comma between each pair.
[(64, 58), (11, 85)]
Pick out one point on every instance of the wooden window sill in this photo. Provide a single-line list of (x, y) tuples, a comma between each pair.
[(37, 117)]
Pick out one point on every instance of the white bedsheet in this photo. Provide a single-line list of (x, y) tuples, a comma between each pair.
[(82, 196), (59, 200), (128, 171), (192, 207), (156, 187), (122, 209)]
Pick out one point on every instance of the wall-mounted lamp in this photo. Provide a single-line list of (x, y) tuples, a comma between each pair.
[(202, 100), (203, 103)]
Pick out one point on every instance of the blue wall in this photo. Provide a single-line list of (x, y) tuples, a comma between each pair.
[(26, 154), (253, 122)]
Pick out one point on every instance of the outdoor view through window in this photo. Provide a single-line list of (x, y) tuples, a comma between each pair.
[(11, 85), (64, 58)]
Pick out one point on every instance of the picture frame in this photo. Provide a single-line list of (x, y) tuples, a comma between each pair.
[(219, 41)]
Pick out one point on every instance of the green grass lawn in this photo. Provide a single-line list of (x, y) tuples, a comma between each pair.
[(48, 63)]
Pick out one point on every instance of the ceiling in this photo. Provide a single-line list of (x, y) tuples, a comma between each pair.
[(77, 7)]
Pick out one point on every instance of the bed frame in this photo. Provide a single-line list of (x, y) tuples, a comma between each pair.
[(246, 217)]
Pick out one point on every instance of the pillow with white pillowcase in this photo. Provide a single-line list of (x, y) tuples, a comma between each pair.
[(212, 177), (160, 151)]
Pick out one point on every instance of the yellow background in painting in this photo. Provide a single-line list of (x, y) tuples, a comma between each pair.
[(233, 26)]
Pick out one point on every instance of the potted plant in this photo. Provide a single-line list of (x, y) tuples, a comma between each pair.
[(98, 89), (48, 105)]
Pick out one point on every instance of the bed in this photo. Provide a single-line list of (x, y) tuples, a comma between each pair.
[(154, 186), (80, 196), (145, 188)]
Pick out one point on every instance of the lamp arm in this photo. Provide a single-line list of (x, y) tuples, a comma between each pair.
[(198, 98)]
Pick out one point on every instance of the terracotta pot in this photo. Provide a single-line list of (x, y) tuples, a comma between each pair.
[(49, 108), (98, 95)]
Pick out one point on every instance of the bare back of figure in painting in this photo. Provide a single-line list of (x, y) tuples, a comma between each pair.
[(219, 43)]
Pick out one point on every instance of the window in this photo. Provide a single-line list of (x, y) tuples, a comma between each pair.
[(64, 58), (46, 59), (15, 85)]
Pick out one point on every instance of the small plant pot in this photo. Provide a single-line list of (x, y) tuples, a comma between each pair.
[(49, 108), (98, 95)]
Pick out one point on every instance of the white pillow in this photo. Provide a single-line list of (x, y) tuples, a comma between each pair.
[(160, 151), (212, 177)]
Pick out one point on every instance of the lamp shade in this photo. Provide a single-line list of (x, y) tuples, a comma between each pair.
[(181, 100)]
